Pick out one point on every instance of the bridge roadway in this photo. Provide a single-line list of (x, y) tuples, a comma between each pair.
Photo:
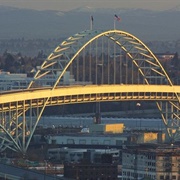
[(88, 93)]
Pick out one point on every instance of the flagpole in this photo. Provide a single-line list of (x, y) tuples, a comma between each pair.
[(91, 22), (114, 24)]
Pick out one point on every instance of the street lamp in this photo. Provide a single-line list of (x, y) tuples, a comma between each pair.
[(45, 170)]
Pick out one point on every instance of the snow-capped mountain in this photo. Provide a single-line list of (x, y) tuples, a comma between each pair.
[(145, 24)]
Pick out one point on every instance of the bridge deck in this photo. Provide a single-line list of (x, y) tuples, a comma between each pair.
[(30, 94)]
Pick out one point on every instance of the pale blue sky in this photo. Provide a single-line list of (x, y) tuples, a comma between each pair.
[(64, 5)]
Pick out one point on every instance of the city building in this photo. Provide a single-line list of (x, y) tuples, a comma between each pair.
[(151, 162), (107, 128), (168, 163), (95, 165), (50, 79), (9, 81), (149, 136), (99, 136), (88, 171), (74, 155), (89, 139)]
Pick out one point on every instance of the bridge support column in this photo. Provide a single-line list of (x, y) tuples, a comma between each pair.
[(97, 119)]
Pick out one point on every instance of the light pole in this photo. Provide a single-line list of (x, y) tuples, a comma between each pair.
[(45, 166), (139, 113)]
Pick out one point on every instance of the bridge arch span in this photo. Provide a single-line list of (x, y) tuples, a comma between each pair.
[(113, 57), (148, 66), (91, 57)]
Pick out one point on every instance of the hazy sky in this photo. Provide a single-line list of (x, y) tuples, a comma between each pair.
[(64, 5)]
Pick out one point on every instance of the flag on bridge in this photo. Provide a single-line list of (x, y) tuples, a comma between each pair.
[(117, 18)]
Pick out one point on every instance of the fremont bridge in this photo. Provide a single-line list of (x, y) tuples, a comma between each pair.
[(101, 66)]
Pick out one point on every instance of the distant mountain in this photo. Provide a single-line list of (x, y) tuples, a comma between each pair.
[(32, 24)]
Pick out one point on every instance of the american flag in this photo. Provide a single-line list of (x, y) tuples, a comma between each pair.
[(117, 17)]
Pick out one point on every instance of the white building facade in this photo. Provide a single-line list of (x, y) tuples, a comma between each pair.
[(88, 139)]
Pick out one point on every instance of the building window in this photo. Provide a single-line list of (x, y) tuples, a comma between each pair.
[(161, 177), (173, 177)]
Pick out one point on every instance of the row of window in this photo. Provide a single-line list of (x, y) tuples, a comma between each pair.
[(167, 177), (128, 175)]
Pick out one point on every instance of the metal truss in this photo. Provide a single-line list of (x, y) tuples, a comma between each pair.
[(90, 57)]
